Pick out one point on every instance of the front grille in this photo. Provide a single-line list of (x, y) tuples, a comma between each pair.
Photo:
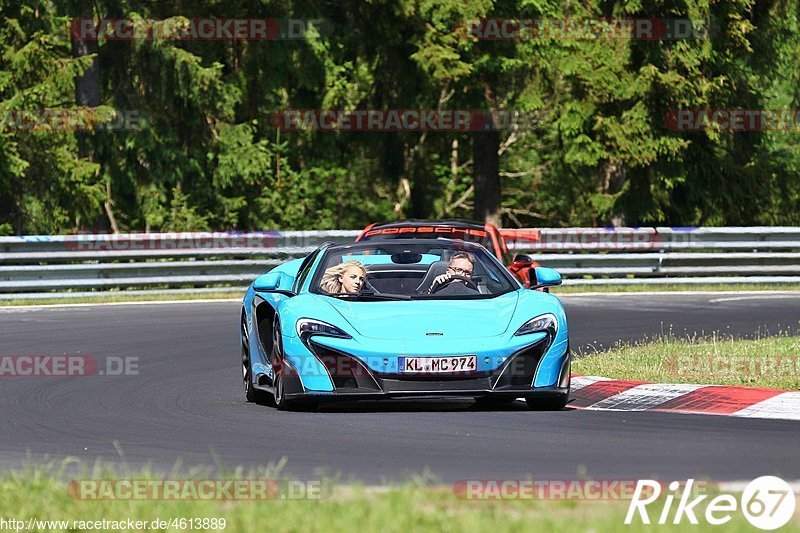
[(348, 373)]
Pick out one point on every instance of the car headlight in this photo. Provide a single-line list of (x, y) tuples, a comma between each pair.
[(306, 327), (547, 323)]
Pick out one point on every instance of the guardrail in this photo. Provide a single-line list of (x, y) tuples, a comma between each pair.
[(189, 262)]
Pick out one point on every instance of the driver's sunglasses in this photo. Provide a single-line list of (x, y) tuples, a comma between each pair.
[(461, 272)]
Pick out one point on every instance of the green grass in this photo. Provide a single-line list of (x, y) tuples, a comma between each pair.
[(770, 362), (41, 494), (674, 287), (126, 296)]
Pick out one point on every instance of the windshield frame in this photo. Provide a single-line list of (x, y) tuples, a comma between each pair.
[(458, 245)]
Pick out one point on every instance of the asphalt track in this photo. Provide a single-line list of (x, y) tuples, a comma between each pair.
[(186, 404)]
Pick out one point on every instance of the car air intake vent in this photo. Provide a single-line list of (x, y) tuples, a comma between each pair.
[(520, 370), (346, 372)]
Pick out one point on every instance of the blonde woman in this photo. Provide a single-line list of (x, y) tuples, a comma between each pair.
[(347, 277)]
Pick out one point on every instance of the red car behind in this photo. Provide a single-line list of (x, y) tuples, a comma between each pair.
[(486, 234)]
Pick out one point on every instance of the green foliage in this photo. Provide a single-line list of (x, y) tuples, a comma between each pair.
[(206, 156), (45, 187)]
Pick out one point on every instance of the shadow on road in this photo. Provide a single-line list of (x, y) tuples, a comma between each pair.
[(421, 406)]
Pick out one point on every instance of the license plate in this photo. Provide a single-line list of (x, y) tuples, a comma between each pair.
[(437, 365)]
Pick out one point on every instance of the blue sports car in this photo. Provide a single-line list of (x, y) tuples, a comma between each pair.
[(403, 318)]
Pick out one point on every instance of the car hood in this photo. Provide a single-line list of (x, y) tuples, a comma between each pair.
[(398, 320)]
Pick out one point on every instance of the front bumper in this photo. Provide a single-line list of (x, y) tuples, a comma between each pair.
[(337, 396), (352, 379)]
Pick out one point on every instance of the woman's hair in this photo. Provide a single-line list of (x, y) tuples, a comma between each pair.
[(330, 279)]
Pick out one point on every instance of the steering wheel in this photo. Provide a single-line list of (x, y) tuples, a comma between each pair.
[(442, 284)]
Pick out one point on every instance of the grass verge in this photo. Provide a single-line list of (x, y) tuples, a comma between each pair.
[(769, 362), (36, 495), (128, 296)]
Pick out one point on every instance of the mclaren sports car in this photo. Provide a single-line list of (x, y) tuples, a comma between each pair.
[(404, 318)]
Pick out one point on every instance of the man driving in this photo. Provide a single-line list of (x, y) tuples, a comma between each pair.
[(457, 277)]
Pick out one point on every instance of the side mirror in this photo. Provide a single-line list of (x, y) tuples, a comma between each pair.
[(545, 277), (267, 282), (522, 258)]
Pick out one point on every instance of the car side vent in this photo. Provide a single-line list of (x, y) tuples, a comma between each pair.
[(346, 372), (521, 369)]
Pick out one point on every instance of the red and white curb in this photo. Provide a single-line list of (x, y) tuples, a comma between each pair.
[(592, 392)]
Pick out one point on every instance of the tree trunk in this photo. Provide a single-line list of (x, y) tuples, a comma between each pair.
[(486, 175), (109, 207), (87, 93), (486, 163), (422, 183), (87, 85)]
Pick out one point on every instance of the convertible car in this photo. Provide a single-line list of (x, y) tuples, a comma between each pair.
[(403, 318)]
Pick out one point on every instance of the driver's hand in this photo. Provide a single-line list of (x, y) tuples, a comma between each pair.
[(440, 279)]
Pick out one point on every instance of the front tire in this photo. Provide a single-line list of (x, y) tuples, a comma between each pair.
[(280, 391), (279, 381), (289, 405), (278, 385), (251, 394)]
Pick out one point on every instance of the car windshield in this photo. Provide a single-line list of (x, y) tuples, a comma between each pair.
[(411, 269)]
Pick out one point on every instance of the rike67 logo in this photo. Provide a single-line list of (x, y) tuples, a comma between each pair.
[(767, 502)]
